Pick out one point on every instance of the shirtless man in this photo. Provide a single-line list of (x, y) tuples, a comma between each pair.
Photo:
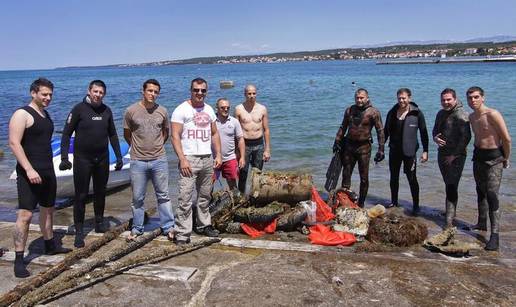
[(30, 135), (359, 119), (491, 154), (254, 120)]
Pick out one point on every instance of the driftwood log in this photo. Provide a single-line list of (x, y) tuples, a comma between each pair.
[(70, 259), (155, 255), (68, 276), (283, 187)]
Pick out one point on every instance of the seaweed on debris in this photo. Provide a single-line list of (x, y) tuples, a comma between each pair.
[(396, 230)]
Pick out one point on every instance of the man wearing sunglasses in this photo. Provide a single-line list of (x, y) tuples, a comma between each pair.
[(230, 131), (254, 120), (194, 132)]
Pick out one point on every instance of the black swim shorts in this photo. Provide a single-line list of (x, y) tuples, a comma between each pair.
[(29, 195)]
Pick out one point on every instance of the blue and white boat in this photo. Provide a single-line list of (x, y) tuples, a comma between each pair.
[(65, 187)]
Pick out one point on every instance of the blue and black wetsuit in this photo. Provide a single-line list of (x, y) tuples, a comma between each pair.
[(403, 146), (94, 127)]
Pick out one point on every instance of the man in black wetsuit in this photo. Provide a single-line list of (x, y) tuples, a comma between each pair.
[(452, 134), (402, 123), (30, 135), (354, 140), (92, 122)]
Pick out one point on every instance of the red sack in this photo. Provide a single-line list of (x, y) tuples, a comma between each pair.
[(323, 235), (323, 212), (259, 229), (343, 200)]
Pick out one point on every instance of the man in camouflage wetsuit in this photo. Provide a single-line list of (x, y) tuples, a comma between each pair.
[(452, 134), (354, 140), (492, 153)]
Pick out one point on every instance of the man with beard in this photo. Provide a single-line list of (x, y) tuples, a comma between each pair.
[(402, 123), (491, 154), (194, 132), (452, 134), (354, 140), (92, 122)]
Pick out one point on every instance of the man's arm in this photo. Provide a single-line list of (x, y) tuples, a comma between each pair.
[(240, 143), (184, 165), (17, 126), (267, 136), (165, 130), (215, 140), (68, 130), (342, 131), (503, 133), (127, 129), (380, 155), (423, 133)]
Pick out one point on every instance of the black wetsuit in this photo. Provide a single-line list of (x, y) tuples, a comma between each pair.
[(93, 128), (403, 147), (36, 143)]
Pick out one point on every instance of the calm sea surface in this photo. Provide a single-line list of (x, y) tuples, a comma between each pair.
[(305, 101)]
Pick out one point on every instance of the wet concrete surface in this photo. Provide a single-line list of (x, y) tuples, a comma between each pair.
[(235, 276)]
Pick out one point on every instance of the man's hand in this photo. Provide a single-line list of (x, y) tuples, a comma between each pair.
[(64, 165), (449, 159), (241, 162), (424, 157), (119, 164), (34, 177), (439, 141), (337, 146), (379, 156), (506, 164), (184, 168), (266, 155), (217, 162)]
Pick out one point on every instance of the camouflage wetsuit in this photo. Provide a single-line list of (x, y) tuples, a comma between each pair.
[(487, 169), (356, 145), (453, 127)]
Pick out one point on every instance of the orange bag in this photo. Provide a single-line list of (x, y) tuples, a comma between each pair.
[(323, 235), (323, 212), (343, 200), (259, 229)]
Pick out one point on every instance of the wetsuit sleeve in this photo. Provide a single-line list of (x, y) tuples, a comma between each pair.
[(435, 130), (70, 125), (423, 133), (387, 126), (463, 136), (379, 131), (113, 137), (343, 126)]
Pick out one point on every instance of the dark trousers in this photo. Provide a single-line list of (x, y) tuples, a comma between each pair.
[(349, 157), (253, 157), (396, 158), (84, 169)]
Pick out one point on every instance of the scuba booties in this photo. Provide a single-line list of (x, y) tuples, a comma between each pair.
[(99, 225), (79, 236), (494, 241)]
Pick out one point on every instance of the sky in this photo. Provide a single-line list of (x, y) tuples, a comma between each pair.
[(59, 33)]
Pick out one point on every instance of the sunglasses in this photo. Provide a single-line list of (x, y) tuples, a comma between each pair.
[(199, 90)]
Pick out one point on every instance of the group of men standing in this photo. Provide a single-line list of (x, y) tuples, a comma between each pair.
[(195, 136), (451, 133)]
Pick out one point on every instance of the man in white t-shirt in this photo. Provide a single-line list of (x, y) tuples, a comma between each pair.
[(230, 133), (193, 133)]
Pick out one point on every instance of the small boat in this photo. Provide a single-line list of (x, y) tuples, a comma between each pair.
[(65, 186), (224, 84)]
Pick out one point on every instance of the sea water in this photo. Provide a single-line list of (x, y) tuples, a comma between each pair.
[(305, 101)]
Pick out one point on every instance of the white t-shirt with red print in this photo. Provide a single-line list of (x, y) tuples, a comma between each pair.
[(196, 135)]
